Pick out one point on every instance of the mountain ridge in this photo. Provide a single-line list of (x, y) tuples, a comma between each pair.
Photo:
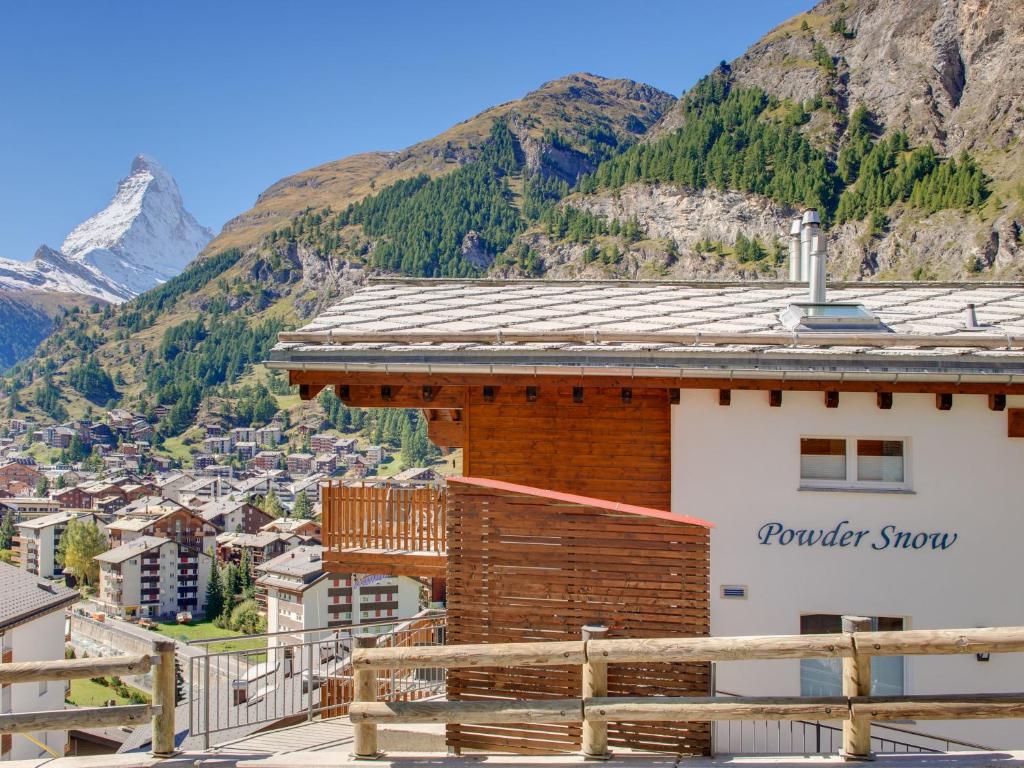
[(897, 205)]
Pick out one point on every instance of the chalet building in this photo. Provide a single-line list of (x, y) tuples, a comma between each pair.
[(203, 460), (234, 515), (25, 474), (32, 629), (325, 463), (39, 539), (153, 576), (416, 475), (856, 446), (186, 528), (262, 546), (307, 529), (92, 495)]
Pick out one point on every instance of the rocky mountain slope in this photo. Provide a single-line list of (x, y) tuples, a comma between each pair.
[(948, 75), (900, 120)]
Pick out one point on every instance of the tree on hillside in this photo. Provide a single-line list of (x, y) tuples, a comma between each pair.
[(43, 487), (245, 572), (214, 594), (272, 505), (78, 548), (303, 507), (233, 581)]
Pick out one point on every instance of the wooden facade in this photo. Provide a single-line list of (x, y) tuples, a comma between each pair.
[(527, 565)]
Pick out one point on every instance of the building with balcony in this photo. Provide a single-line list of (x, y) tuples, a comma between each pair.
[(234, 515), (841, 443), (29, 507), (31, 629), (153, 576), (300, 594), (39, 539)]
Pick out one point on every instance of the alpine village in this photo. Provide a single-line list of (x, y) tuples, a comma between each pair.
[(606, 425)]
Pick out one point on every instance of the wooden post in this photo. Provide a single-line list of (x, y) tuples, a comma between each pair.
[(365, 689), (163, 696), (856, 682), (595, 683)]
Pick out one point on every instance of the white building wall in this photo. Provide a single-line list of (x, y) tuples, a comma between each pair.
[(738, 466), (41, 639)]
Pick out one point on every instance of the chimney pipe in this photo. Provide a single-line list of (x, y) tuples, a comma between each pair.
[(794, 251), (971, 318), (812, 246)]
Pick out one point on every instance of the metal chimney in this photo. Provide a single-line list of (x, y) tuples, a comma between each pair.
[(812, 247), (794, 251), (971, 318)]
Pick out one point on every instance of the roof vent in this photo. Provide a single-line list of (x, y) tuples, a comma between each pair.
[(830, 317), (807, 254)]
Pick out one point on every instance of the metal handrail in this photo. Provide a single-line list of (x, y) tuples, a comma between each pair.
[(949, 742), (428, 614)]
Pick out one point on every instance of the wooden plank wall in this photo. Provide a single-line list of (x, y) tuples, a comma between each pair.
[(525, 568), (607, 446)]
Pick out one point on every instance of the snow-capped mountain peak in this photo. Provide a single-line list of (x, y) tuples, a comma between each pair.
[(144, 236)]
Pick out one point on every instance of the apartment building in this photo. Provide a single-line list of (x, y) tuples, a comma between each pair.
[(153, 576), (31, 629), (39, 539), (299, 463), (301, 595)]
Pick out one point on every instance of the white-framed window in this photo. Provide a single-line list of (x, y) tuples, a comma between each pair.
[(854, 463)]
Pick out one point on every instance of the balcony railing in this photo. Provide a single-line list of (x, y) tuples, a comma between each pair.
[(400, 528), (300, 673)]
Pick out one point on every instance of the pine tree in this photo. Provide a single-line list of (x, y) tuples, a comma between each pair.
[(234, 580), (303, 507), (43, 487), (245, 572), (214, 594)]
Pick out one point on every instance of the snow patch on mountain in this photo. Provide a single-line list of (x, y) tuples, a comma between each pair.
[(141, 239)]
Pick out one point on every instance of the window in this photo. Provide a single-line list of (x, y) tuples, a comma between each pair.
[(853, 463), (824, 677)]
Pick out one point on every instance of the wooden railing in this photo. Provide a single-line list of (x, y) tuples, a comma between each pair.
[(161, 712), (386, 518), (856, 707)]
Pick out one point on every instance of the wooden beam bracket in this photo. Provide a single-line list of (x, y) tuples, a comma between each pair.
[(775, 398), (725, 397), (944, 401), (884, 400), (832, 398)]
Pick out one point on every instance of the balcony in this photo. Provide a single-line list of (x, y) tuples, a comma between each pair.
[(390, 530)]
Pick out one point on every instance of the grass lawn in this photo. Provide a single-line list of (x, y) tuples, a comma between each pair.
[(287, 402), (175, 448), (86, 693), (207, 630)]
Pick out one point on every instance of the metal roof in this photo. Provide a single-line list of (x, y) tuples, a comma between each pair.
[(657, 328)]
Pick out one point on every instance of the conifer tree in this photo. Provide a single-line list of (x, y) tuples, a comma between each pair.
[(214, 594)]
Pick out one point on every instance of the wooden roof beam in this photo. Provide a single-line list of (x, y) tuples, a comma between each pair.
[(418, 380), (430, 396)]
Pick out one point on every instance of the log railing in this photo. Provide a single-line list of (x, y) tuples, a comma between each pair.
[(387, 517), (160, 712), (595, 708)]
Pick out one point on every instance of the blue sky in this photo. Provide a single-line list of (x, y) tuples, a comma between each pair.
[(232, 96)]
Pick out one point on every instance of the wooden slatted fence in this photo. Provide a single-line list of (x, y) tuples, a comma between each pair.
[(524, 566)]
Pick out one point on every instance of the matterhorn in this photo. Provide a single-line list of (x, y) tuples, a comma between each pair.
[(141, 239)]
